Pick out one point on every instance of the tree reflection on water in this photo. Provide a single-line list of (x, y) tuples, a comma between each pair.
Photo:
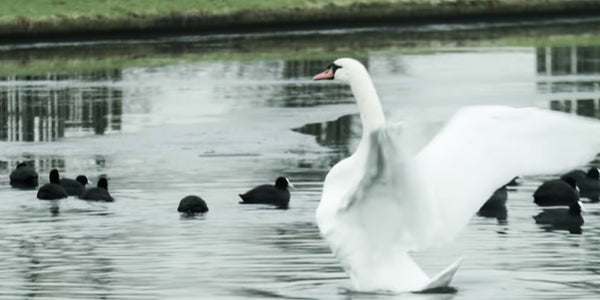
[(570, 75), (37, 111)]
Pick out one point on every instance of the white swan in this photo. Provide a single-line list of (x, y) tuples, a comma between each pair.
[(399, 193)]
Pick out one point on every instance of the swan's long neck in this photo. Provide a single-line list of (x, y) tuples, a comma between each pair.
[(371, 113)]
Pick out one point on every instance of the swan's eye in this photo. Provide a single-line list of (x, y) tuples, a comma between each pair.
[(333, 67)]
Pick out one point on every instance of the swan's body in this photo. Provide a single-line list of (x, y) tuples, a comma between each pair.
[(400, 192)]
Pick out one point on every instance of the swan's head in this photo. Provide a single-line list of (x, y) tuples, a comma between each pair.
[(343, 70)]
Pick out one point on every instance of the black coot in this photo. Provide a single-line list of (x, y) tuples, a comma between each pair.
[(52, 190), (74, 187), (556, 192), (192, 204), (277, 194), (24, 177), (99, 193)]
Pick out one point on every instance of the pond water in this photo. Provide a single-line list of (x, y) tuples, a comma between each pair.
[(217, 125)]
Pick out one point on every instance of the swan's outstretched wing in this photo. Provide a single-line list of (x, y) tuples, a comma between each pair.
[(482, 148), (429, 197)]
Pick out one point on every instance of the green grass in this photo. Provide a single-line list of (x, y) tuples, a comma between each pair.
[(64, 15), (71, 17), (43, 9), (72, 9)]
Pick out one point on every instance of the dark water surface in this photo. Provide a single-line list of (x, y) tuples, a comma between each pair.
[(217, 127)]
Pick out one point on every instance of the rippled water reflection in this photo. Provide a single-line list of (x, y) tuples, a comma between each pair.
[(216, 129)]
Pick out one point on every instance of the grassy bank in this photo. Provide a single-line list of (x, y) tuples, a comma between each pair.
[(42, 18), (35, 18), (69, 59)]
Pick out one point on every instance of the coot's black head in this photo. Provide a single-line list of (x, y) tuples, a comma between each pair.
[(571, 181), (593, 173), (103, 183), (575, 208), (54, 177), (282, 183), (21, 165), (82, 179)]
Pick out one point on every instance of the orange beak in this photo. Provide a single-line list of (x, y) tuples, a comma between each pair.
[(327, 74)]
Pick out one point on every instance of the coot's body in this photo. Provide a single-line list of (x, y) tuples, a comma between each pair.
[(556, 192), (277, 194), (99, 193), (24, 177), (52, 190), (192, 204), (74, 187), (588, 183)]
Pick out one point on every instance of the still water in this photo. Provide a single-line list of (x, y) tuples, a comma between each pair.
[(217, 127)]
